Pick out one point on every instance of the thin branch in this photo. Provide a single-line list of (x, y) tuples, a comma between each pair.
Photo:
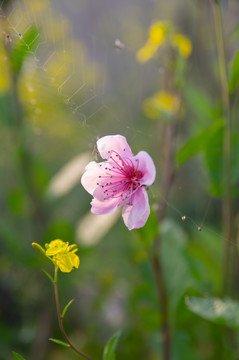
[(61, 323), (168, 172), (162, 300)]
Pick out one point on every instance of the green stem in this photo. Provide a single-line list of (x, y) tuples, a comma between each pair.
[(58, 308), (226, 203)]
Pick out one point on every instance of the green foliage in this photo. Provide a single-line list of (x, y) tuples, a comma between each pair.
[(25, 46), (200, 142), (66, 308), (175, 261), (17, 356), (115, 276), (225, 312), (110, 348), (150, 231), (210, 143), (203, 109), (49, 276), (59, 342), (234, 74)]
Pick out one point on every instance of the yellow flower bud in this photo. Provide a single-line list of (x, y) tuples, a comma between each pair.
[(162, 102), (183, 44), (5, 78), (146, 52), (157, 32)]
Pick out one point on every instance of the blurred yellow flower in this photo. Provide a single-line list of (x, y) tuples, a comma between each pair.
[(157, 32), (146, 52), (5, 79), (161, 103), (63, 255), (160, 32), (183, 44)]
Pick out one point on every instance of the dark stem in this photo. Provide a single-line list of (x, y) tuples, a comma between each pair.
[(162, 300), (168, 171), (168, 135), (60, 320)]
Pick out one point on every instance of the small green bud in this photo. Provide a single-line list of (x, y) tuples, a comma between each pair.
[(38, 248)]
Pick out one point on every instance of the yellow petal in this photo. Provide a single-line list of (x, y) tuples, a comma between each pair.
[(162, 102), (157, 32), (56, 246), (66, 262), (5, 76), (183, 44), (146, 52)]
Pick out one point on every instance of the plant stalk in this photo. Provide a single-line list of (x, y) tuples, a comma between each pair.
[(60, 320), (226, 201), (168, 135), (162, 299)]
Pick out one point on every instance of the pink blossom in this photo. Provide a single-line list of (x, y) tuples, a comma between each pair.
[(120, 181)]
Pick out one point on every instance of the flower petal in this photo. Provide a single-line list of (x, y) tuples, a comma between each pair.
[(146, 166), (66, 262), (56, 246), (136, 215), (91, 176), (100, 207), (117, 143)]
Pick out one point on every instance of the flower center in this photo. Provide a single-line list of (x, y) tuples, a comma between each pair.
[(121, 179)]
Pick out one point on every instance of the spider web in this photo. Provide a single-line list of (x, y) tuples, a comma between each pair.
[(73, 68), (60, 58)]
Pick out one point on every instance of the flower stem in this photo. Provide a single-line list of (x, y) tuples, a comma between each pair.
[(60, 319), (162, 300), (226, 202), (168, 136)]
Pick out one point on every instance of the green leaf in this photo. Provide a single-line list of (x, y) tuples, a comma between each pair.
[(59, 342), (174, 258), (214, 163), (110, 348), (198, 143), (219, 311), (213, 156), (202, 107), (17, 201), (48, 275), (150, 230), (66, 307), (234, 74), (17, 356), (25, 46)]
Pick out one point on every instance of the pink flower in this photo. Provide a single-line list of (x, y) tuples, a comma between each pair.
[(120, 181)]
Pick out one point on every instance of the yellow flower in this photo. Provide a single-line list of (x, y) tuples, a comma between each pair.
[(183, 44), (157, 32), (5, 78), (63, 255), (146, 52), (162, 102), (157, 35)]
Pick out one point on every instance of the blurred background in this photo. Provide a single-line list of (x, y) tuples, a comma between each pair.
[(69, 74)]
